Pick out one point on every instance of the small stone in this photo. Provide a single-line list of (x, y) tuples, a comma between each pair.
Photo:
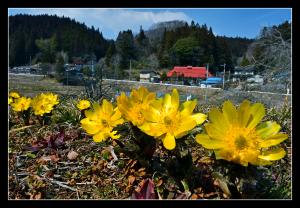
[(72, 155)]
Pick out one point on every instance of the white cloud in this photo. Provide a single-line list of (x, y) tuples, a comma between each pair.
[(111, 21)]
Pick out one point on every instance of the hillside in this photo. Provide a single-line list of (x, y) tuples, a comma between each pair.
[(74, 38), (59, 40), (156, 31)]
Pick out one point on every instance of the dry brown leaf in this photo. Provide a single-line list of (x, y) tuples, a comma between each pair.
[(160, 181), (194, 196), (210, 194), (223, 186), (54, 158), (131, 179), (72, 155), (141, 173), (133, 162)]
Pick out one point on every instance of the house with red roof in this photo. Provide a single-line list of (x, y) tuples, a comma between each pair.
[(189, 72)]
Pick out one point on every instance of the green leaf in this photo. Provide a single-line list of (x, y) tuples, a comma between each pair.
[(31, 155)]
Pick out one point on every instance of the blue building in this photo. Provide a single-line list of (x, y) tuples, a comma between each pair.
[(213, 81)]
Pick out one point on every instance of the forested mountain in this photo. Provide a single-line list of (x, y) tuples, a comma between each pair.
[(156, 31), (50, 39), (74, 38), (237, 46), (196, 44)]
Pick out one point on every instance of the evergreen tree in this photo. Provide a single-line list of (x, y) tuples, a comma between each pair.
[(126, 48), (47, 48), (59, 65), (109, 53), (245, 61)]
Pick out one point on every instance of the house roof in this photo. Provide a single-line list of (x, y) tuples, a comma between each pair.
[(249, 68), (145, 71), (189, 71)]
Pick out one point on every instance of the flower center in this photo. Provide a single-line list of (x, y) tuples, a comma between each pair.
[(104, 123), (241, 142), (167, 121)]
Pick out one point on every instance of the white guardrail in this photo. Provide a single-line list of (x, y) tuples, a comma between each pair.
[(215, 88)]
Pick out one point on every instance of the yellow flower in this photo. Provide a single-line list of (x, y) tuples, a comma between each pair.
[(164, 119), (101, 120), (44, 103), (83, 104), (21, 104), (132, 107), (10, 100), (235, 135), (14, 95)]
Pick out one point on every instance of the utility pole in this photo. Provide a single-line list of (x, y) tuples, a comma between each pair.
[(207, 66), (130, 70), (67, 81), (224, 76), (92, 67)]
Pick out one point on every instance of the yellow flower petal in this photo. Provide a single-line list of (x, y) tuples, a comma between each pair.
[(116, 116), (117, 122), (14, 95), (151, 114), (107, 107), (244, 113), (261, 162), (175, 99), (99, 137), (230, 112), (209, 143), (217, 118), (273, 155), (185, 126), (151, 96), (169, 141), (214, 132), (188, 107), (91, 115), (224, 154), (167, 104), (96, 107), (199, 118), (273, 140), (142, 91), (257, 112), (10, 100), (157, 104), (153, 129), (267, 129), (91, 127), (114, 135)]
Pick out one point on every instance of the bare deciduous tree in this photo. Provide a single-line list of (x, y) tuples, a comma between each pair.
[(272, 53)]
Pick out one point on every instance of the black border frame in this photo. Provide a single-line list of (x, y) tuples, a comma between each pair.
[(5, 4)]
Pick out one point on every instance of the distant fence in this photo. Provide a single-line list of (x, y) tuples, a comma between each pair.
[(31, 85), (205, 95)]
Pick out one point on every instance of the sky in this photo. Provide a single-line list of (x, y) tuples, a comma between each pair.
[(228, 22)]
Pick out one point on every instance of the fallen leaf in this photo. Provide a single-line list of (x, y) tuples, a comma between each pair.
[(160, 181), (54, 158), (72, 155), (145, 190), (131, 179), (194, 196)]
